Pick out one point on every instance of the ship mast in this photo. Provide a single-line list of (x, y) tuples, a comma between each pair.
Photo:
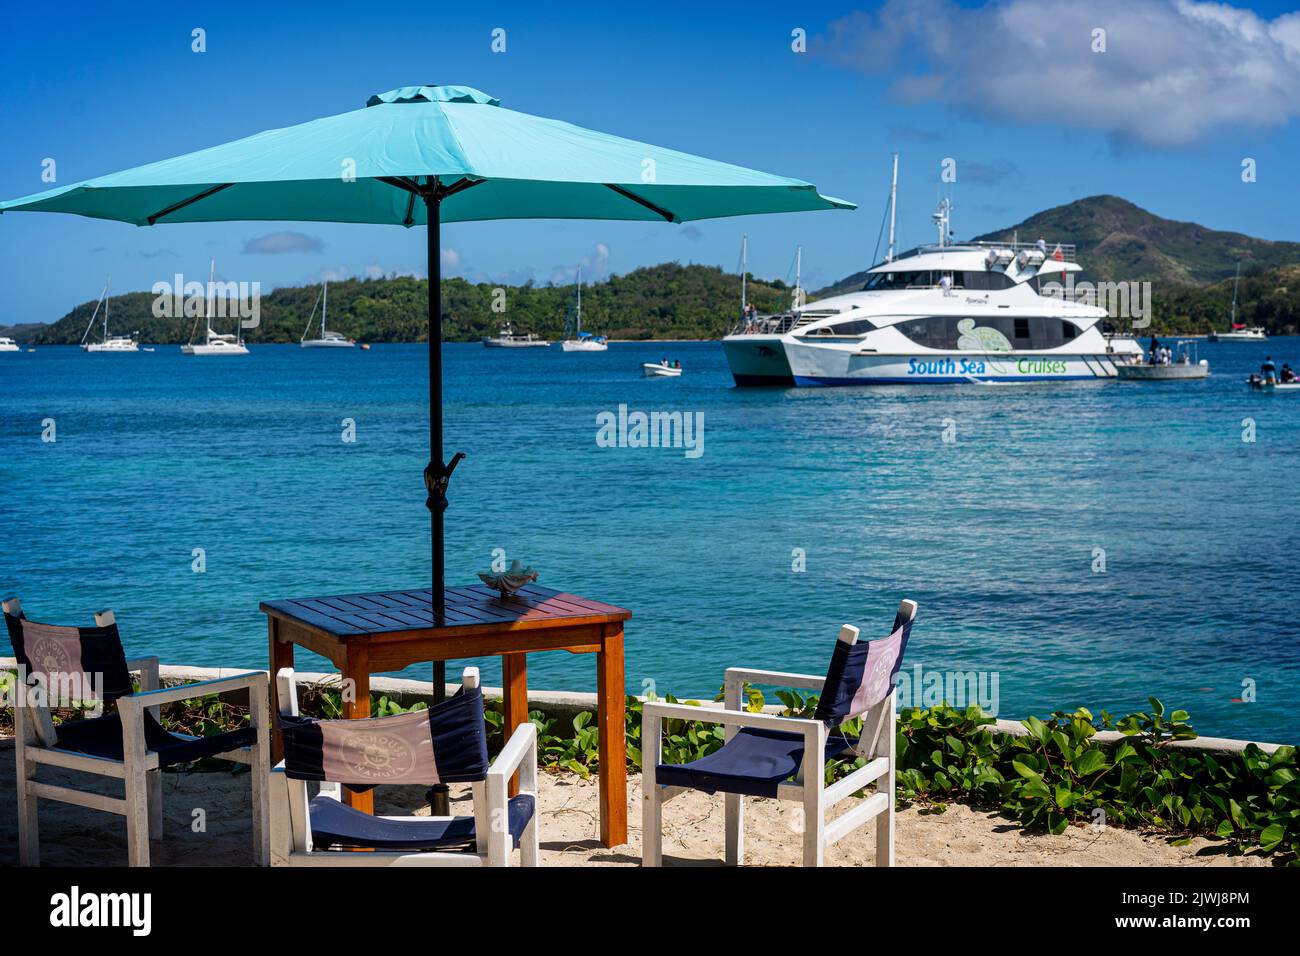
[(744, 260), (893, 207)]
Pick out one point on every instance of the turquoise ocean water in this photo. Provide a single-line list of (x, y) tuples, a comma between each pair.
[(998, 534)]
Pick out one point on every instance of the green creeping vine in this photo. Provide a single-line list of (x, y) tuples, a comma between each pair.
[(1055, 776)]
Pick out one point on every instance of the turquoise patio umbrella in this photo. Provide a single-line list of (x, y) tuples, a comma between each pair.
[(421, 156)]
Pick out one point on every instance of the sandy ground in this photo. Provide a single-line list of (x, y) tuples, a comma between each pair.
[(693, 830)]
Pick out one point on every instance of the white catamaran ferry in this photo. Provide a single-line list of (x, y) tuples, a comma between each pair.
[(943, 313)]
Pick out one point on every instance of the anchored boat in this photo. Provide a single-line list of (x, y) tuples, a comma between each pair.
[(108, 343), (507, 338), (941, 313), (214, 344), (326, 340), (582, 341), (1182, 367)]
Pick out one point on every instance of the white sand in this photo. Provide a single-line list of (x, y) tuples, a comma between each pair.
[(693, 831)]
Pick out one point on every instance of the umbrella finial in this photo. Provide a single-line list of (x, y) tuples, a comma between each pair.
[(433, 94)]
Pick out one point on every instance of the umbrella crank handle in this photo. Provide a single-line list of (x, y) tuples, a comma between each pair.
[(435, 481)]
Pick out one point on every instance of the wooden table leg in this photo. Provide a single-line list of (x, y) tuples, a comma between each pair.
[(514, 699), (613, 737), (356, 705), (279, 654)]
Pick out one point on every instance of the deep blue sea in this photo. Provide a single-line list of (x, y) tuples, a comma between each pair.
[(1087, 543)]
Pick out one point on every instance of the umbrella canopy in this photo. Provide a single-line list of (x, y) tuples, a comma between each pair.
[(423, 155), (337, 169)]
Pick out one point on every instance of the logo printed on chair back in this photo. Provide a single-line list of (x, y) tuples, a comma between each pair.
[(861, 675), (392, 750), (446, 743), (71, 663)]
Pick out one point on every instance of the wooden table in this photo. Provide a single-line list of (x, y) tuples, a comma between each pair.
[(364, 634)]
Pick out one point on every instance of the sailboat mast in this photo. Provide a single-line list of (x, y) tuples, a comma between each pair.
[(893, 207), (324, 304), (579, 316), (798, 285), (744, 267), (1234, 292), (212, 274), (105, 312)]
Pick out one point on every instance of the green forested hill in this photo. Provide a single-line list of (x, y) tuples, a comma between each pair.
[(1190, 267), (664, 301)]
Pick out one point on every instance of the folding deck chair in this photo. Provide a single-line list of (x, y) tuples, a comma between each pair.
[(447, 743), (784, 757), (59, 666)]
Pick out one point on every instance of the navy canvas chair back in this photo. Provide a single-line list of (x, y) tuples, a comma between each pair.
[(862, 674), (71, 663), (447, 743)]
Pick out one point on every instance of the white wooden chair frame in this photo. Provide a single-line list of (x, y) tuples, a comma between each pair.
[(291, 838), (36, 744), (808, 788)]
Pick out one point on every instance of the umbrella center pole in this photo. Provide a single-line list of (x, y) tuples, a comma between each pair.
[(437, 474)]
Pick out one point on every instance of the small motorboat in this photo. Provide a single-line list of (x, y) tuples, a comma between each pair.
[(365, 346), (1183, 368), (661, 370), (1255, 381)]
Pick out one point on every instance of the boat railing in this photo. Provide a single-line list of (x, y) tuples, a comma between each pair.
[(765, 325)]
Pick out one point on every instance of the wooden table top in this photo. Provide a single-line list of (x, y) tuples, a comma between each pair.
[(477, 606)]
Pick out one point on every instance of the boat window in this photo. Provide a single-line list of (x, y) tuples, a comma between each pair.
[(942, 332), (898, 280), (856, 327), (985, 281)]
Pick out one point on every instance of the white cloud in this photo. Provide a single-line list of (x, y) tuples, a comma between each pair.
[(595, 266), (1174, 72), (277, 243)]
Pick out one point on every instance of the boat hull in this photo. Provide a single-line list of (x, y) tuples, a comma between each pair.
[(326, 344), (571, 346), (813, 366), (1163, 373), (498, 344), (210, 350), (103, 347), (652, 370), (757, 360)]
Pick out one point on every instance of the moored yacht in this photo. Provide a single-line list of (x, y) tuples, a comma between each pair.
[(507, 338), (108, 343), (214, 344), (581, 341), (943, 313), (326, 339), (9, 345)]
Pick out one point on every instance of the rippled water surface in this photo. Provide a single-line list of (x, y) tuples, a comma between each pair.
[(998, 534)]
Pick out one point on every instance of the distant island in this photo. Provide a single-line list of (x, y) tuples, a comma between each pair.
[(1190, 267)]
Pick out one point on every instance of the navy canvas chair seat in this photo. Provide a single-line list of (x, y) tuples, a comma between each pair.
[(445, 743), (766, 755), (102, 737), (62, 667), (335, 825), (754, 762)]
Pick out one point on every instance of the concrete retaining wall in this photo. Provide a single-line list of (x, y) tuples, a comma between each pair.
[(564, 705)]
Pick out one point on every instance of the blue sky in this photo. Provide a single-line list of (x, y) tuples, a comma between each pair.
[(1009, 89)]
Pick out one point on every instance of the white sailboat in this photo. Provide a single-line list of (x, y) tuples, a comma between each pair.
[(109, 343), (326, 340), (1238, 332), (583, 341), (214, 344)]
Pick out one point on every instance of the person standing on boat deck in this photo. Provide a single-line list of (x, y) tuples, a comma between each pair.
[(1042, 245), (1268, 371), (1153, 351)]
